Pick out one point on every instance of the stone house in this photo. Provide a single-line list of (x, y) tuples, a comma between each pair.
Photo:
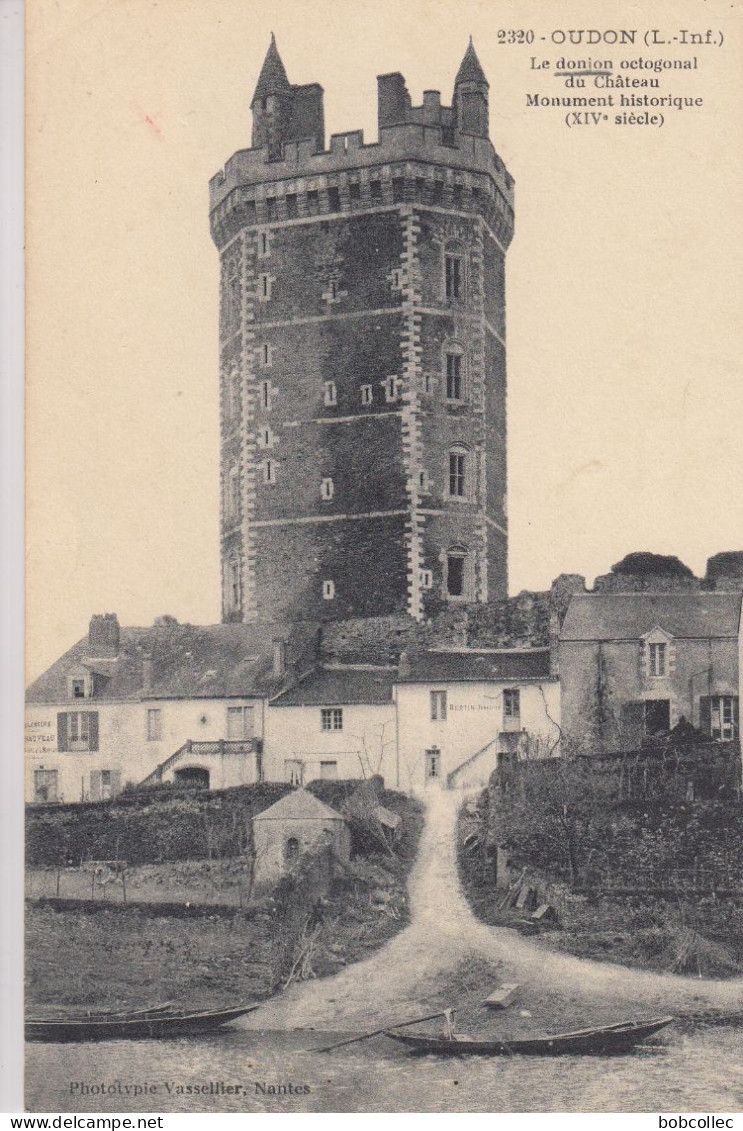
[(458, 710), (633, 664), (338, 721), (297, 824), (169, 702)]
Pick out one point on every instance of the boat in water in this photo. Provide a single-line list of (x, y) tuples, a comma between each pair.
[(141, 1024), (604, 1040)]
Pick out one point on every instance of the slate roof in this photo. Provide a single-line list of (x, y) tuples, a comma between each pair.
[(338, 686), (475, 666), (272, 79), (628, 616), (470, 69), (297, 806), (188, 661)]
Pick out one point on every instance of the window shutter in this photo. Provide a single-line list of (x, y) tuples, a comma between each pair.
[(92, 730), (95, 785), (705, 714), (62, 744), (115, 782)]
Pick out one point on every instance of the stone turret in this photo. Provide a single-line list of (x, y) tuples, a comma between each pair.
[(471, 95), (282, 112)]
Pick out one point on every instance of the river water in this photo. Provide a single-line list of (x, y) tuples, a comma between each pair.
[(703, 1072)]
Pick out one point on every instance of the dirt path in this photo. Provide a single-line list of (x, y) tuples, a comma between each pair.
[(407, 975)]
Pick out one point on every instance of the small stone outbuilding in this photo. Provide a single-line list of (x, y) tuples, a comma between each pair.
[(297, 824)]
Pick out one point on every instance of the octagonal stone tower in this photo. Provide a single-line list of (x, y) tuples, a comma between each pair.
[(362, 355)]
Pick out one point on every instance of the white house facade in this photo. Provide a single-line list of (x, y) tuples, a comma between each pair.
[(458, 710), (168, 703), (337, 722)]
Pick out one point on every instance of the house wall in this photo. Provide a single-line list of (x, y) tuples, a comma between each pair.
[(699, 668), (474, 718), (123, 746), (365, 746), (313, 834)]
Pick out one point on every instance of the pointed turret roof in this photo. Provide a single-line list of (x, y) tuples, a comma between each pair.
[(272, 79), (470, 69)]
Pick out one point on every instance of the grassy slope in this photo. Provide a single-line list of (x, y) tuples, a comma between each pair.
[(126, 955)]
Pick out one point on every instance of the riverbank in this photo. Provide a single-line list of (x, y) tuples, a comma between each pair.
[(443, 957), (117, 955), (425, 967), (698, 937)]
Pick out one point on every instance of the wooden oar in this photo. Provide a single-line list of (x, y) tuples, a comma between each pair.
[(377, 1032)]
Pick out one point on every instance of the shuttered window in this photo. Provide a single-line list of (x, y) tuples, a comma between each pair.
[(77, 730), (719, 716)]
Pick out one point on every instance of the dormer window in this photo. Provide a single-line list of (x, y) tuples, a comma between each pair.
[(78, 689), (658, 657), (657, 662)]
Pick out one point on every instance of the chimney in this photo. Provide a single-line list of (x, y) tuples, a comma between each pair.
[(147, 667), (393, 100), (432, 106), (403, 666), (104, 636), (279, 659)]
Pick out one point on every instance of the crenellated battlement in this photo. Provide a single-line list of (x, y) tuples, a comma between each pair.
[(425, 144)]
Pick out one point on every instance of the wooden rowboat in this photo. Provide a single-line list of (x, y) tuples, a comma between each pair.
[(138, 1025), (602, 1041), (76, 1014)]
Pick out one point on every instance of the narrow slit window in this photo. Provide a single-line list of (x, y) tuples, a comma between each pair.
[(391, 389), (327, 489), (331, 393)]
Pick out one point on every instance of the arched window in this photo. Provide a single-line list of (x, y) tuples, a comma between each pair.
[(454, 273), (291, 851), (459, 471)]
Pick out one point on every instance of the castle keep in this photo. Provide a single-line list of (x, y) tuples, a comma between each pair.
[(362, 356)]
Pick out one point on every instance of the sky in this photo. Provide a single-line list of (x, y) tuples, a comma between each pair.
[(623, 286)]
